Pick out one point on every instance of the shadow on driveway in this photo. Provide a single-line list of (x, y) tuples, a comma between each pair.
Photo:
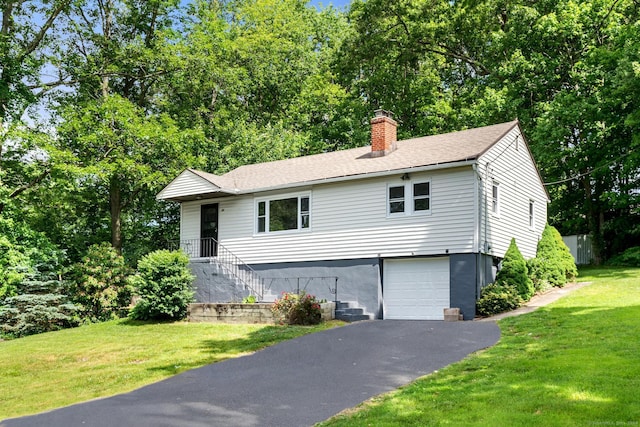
[(294, 383)]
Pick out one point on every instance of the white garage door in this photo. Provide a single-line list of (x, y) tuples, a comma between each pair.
[(416, 289)]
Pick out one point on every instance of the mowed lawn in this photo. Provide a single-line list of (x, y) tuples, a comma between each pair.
[(55, 369), (573, 363)]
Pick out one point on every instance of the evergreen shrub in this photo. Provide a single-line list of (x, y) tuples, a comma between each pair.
[(514, 272), (40, 305), (163, 284), (496, 298), (555, 264)]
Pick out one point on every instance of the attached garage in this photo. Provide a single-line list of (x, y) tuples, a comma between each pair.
[(416, 288)]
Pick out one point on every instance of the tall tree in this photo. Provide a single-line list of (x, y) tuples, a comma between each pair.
[(26, 49)]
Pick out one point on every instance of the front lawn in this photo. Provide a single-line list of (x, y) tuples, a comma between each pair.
[(573, 363), (50, 370)]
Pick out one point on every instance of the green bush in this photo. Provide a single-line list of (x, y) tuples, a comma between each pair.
[(514, 272), (163, 283), (537, 273), (628, 258), (40, 305), (496, 298), (100, 285), (298, 309), (555, 264)]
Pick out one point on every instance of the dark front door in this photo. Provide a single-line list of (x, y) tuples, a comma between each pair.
[(209, 230)]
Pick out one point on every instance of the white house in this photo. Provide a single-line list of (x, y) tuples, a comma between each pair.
[(406, 228)]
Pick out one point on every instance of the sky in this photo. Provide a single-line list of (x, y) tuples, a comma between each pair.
[(339, 4)]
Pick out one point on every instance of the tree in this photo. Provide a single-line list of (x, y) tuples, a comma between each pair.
[(514, 272), (26, 50), (122, 154)]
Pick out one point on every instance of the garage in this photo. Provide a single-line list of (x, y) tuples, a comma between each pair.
[(416, 288)]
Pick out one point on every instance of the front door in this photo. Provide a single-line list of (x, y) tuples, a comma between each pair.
[(209, 230)]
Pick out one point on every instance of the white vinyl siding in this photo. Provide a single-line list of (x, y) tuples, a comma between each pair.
[(519, 185), (350, 221)]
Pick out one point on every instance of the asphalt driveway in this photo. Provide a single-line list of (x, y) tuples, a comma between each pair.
[(294, 383)]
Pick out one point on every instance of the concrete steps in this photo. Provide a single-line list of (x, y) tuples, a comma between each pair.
[(349, 311)]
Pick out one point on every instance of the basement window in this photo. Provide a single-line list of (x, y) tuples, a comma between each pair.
[(283, 214)]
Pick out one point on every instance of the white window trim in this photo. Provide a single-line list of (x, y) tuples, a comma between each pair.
[(532, 214), (266, 200), (409, 200), (495, 211)]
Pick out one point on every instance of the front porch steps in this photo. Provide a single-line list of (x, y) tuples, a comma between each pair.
[(349, 311)]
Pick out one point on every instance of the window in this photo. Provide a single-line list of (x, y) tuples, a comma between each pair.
[(421, 196), (396, 200), (495, 200), (531, 214), (290, 213), (409, 198)]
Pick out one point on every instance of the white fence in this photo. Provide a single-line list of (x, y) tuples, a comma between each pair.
[(580, 247)]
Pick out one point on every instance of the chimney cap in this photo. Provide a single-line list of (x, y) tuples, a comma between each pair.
[(382, 113)]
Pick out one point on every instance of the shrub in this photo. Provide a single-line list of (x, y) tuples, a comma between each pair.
[(164, 284), (298, 309), (39, 306), (100, 284), (537, 273), (555, 263), (628, 258), (496, 298), (514, 272)]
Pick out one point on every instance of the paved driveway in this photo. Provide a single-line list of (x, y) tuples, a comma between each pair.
[(295, 383)]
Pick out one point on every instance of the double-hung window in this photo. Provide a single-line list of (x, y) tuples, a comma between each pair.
[(495, 198), (283, 214), (409, 198), (532, 218)]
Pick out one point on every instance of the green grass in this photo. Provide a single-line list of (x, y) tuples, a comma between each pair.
[(55, 369), (573, 363)]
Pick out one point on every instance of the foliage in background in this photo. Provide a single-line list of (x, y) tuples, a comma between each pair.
[(514, 272), (497, 298), (298, 309), (163, 283), (99, 284), (629, 258)]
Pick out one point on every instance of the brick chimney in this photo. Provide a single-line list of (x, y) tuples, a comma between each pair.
[(383, 133)]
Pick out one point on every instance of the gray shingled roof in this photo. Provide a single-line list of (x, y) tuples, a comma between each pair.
[(446, 148)]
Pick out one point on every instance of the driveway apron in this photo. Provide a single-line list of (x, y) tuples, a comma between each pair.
[(295, 383)]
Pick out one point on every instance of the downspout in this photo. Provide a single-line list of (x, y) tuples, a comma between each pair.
[(478, 227)]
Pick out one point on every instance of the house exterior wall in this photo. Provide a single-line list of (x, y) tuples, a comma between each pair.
[(349, 221), (509, 164)]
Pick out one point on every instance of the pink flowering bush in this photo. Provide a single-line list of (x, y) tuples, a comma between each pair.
[(298, 309)]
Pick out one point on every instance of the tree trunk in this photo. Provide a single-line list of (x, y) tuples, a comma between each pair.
[(116, 210)]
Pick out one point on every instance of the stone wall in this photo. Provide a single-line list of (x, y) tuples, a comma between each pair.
[(243, 313)]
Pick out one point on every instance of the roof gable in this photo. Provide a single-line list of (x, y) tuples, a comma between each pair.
[(192, 184)]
